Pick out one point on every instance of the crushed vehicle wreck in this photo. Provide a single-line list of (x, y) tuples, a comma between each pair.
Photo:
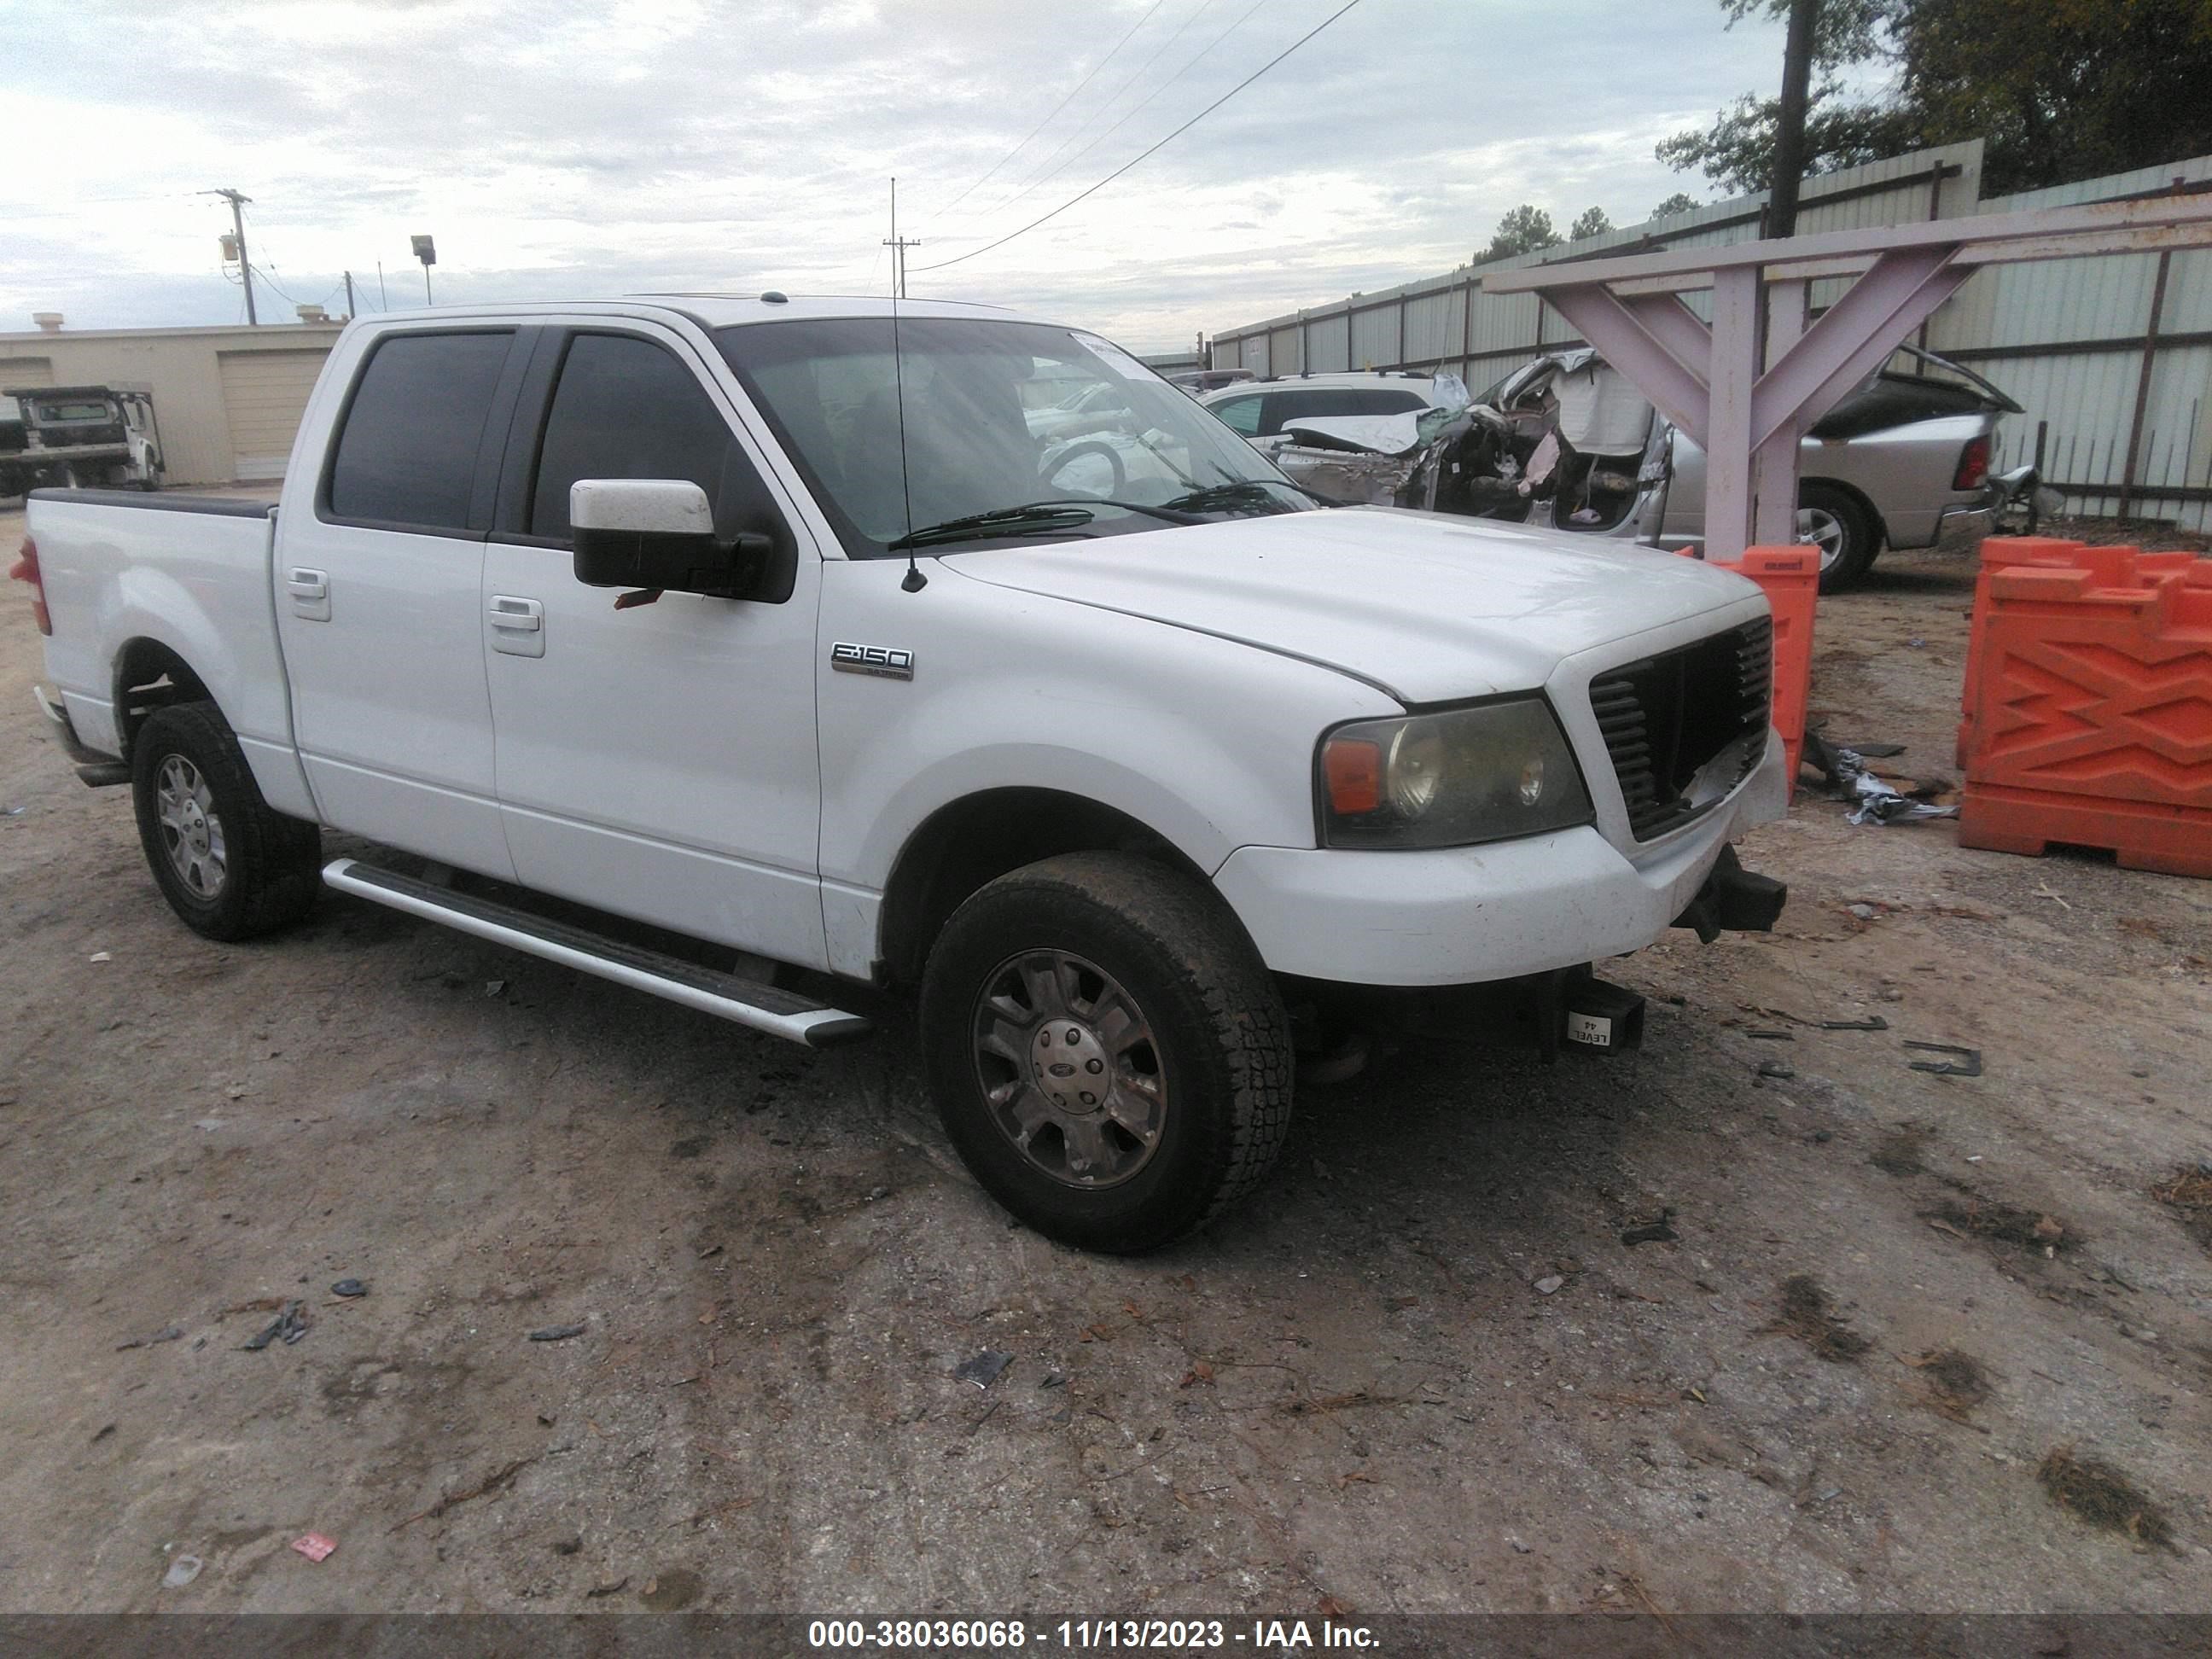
[(1568, 443)]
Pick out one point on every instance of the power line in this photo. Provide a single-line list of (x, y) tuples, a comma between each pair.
[(1089, 120), (1162, 144), (1056, 109), (1195, 58)]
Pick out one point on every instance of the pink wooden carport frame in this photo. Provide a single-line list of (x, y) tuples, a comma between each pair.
[(1747, 393)]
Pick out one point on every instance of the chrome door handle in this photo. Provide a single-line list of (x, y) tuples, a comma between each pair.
[(521, 615), (309, 592)]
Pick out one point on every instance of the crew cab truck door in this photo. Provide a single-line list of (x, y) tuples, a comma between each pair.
[(379, 595), (657, 760)]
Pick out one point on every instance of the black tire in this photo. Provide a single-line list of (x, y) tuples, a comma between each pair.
[(1218, 1047), (229, 867), (1859, 537)]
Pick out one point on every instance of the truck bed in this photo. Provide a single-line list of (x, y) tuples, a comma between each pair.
[(129, 576)]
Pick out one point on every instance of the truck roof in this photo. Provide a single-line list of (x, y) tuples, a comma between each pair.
[(711, 310)]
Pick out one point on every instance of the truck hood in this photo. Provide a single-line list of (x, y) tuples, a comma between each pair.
[(1428, 609)]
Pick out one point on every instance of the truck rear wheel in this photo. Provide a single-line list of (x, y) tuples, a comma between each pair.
[(230, 867), (1106, 1049)]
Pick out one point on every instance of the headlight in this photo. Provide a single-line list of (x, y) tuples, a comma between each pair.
[(1450, 779)]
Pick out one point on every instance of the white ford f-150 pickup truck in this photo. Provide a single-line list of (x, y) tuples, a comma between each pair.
[(785, 630)]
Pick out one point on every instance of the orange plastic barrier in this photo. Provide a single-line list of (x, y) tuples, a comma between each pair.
[(1791, 579), (2087, 712)]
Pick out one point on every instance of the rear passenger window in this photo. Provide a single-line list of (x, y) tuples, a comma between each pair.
[(627, 409), (1239, 415), (407, 454)]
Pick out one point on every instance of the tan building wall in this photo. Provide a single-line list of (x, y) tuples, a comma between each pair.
[(228, 399)]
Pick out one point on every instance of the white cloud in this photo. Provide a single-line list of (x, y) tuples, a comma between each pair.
[(556, 148)]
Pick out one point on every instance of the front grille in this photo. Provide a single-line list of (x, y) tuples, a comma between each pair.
[(1665, 719)]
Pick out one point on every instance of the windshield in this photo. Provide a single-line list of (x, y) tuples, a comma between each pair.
[(998, 415)]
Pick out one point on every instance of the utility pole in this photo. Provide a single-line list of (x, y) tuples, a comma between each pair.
[(1790, 127), (244, 264), (898, 247), (349, 276)]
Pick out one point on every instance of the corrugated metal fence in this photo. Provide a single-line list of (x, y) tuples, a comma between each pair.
[(2111, 357)]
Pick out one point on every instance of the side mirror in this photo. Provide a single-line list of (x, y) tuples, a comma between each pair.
[(658, 533)]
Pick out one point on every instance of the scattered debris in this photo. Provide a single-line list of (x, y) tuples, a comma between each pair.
[(100, 955), (291, 1324), (1548, 1284), (494, 987), (1966, 1062), (2100, 1494), (557, 1332), (1770, 1034), (349, 1287), (1777, 1068), (2007, 1224), (1200, 1372), (572, 1544), (1653, 1232), (1805, 1314), (2043, 889), (983, 1370), (496, 1480), (314, 1546), (615, 1589), (1054, 1380), (167, 1333), (1850, 779), (1871, 1023), (184, 1569), (1956, 1382)]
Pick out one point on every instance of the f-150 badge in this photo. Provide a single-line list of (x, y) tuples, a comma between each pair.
[(884, 661)]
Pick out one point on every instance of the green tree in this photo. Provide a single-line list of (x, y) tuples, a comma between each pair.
[(1680, 203), (1526, 229), (2066, 90), (1592, 222)]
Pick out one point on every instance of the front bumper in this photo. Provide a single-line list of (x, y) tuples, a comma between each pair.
[(1469, 914)]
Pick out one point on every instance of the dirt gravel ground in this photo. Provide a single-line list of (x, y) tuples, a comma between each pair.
[(1421, 1373)]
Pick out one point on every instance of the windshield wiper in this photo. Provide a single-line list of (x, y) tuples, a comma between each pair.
[(1038, 518), (1234, 493), (1033, 519)]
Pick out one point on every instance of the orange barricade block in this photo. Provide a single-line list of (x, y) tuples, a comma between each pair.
[(2087, 712), (1791, 579)]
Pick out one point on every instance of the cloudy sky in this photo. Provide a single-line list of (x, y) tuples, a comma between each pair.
[(565, 147)]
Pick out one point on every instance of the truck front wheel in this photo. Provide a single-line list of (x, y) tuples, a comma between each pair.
[(1107, 1051), (227, 864)]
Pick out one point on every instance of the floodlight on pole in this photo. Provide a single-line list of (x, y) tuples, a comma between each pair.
[(427, 251)]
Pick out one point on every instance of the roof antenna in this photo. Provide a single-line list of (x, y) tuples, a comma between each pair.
[(914, 581)]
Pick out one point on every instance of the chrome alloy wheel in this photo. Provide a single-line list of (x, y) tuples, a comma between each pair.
[(192, 834), (1069, 1068), (1817, 527)]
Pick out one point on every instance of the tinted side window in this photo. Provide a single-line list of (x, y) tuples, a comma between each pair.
[(1317, 403), (625, 408), (407, 454), (1239, 414)]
